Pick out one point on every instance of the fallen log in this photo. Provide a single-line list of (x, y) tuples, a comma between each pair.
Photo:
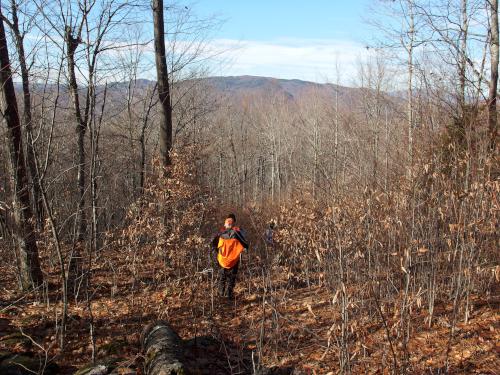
[(162, 348)]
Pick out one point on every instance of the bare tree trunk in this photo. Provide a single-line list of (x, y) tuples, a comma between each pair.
[(315, 160), (336, 141), (492, 99), (95, 129), (142, 140), (411, 33), (344, 358), (27, 117), (130, 117), (386, 149), (75, 261), (62, 267), (71, 45), (273, 173), (41, 173), (163, 84), (31, 274), (462, 62)]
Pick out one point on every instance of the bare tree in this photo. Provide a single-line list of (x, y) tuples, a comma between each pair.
[(19, 35), (73, 38), (410, 45), (163, 83), (31, 274), (492, 97)]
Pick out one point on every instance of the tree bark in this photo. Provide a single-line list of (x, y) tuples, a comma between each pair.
[(410, 46), (462, 62), (31, 274), (492, 98), (163, 83), (142, 140), (75, 261), (81, 128), (162, 349), (27, 117)]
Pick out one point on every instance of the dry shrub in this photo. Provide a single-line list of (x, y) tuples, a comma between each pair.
[(423, 253), (432, 228), (166, 224)]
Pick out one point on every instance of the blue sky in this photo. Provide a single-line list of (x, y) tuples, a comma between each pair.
[(264, 20), (290, 38)]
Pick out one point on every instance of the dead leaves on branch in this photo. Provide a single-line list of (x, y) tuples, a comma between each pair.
[(166, 219)]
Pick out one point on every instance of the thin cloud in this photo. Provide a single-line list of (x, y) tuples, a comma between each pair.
[(308, 59)]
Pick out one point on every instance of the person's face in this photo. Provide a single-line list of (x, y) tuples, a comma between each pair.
[(229, 223)]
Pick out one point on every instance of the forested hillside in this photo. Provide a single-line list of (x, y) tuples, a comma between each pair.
[(156, 218)]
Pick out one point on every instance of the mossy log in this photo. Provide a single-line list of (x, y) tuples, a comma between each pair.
[(163, 350), (103, 367)]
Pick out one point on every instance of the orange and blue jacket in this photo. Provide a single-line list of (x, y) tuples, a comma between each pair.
[(230, 243)]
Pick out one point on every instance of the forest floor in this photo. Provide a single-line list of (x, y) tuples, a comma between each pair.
[(273, 324)]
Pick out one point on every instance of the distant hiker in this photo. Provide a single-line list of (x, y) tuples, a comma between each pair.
[(269, 234), (229, 242)]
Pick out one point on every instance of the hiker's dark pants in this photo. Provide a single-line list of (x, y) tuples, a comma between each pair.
[(227, 280)]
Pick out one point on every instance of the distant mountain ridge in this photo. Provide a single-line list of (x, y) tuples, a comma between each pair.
[(235, 88), (293, 88)]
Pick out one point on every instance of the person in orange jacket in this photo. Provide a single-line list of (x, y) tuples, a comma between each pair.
[(230, 242)]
